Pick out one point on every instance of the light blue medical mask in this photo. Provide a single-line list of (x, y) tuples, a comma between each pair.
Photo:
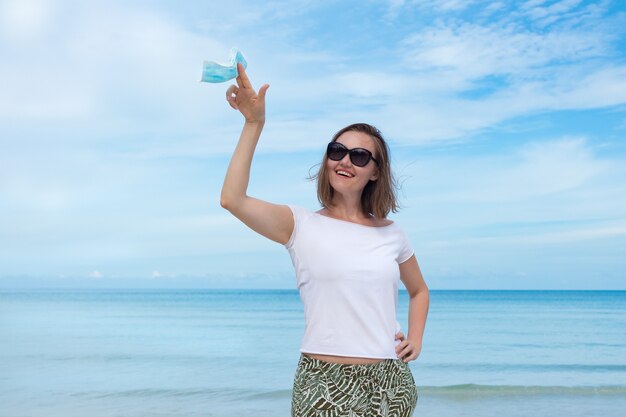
[(212, 72)]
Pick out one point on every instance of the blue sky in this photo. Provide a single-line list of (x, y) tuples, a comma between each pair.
[(506, 122)]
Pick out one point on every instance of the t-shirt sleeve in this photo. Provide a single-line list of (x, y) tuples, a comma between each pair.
[(298, 215), (405, 250)]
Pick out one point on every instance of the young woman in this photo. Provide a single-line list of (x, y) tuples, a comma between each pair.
[(348, 257)]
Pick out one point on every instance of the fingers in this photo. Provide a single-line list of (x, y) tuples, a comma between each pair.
[(406, 354), (407, 351), (400, 335), (263, 90), (242, 78), (402, 349), (231, 96), (412, 356)]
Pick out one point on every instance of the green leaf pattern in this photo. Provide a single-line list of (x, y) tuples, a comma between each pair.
[(325, 389)]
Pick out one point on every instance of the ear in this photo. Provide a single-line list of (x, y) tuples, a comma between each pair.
[(374, 176)]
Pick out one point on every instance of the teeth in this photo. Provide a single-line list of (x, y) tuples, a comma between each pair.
[(344, 173)]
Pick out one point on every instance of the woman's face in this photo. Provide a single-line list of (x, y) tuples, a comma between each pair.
[(343, 175)]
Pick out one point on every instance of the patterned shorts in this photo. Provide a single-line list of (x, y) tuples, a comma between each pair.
[(325, 389)]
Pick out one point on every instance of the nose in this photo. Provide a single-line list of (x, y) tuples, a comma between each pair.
[(346, 160)]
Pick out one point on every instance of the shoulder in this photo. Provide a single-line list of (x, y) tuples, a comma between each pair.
[(299, 212), (383, 222), (296, 207)]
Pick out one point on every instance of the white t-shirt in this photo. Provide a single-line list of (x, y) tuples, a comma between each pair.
[(347, 275)]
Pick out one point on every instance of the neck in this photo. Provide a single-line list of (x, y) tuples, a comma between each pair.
[(347, 207)]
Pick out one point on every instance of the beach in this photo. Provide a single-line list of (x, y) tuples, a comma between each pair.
[(222, 353)]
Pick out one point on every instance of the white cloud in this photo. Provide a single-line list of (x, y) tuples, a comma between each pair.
[(542, 185), (95, 274), (534, 170), (459, 78), (542, 168), (444, 5), (22, 21), (600, 88), (117, 68), (574, 235), (549, 14), (476, 51)]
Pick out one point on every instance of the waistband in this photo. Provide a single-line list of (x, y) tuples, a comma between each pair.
[(308, 362)]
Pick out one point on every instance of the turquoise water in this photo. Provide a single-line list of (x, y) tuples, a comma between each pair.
[(234, 353)]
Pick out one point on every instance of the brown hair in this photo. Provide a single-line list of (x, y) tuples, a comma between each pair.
[(379, 196)]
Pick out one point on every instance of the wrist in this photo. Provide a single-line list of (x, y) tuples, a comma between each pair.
[(415, 341), (255, 122)]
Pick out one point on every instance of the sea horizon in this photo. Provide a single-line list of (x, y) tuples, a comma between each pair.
[(109, 287)]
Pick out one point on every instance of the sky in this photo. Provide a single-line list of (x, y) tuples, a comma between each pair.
[(506, 123)]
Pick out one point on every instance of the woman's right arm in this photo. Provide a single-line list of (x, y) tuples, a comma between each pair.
[(273, 221)]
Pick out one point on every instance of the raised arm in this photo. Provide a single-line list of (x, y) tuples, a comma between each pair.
[(273, 221)]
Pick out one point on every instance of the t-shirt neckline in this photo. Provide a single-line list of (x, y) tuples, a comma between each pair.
[(357, 224)]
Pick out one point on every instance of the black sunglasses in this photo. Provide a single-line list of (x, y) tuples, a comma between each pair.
[(358, 156)]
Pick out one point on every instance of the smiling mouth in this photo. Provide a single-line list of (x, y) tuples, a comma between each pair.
[(343, 173)]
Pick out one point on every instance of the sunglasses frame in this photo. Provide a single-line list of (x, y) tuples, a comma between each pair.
[(349, 152)]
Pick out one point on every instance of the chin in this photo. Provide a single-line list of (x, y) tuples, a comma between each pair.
[(343, 188)]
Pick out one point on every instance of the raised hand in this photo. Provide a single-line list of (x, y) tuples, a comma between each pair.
[(242, 97)]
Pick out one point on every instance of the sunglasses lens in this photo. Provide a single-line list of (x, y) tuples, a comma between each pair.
[(336, 151), (359, 158)]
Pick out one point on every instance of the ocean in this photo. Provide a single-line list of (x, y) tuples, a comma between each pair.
[(219, 353)]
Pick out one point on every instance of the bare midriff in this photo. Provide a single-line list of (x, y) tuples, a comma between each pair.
[(345, 360)]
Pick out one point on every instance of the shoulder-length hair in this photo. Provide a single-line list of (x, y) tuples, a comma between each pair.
[(379, 196)]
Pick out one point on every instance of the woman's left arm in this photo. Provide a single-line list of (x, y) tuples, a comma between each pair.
[(413, 280)]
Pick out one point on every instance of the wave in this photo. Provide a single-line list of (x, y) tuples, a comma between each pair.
[(461, 391), (473, 390), (534, 367), (506, 390)]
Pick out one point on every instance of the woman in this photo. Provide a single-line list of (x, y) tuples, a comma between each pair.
[(347, 258)]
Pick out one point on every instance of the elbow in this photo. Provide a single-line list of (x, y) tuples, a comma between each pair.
[(226, 198), (422, 291), (426, 292), (224, 202), (229, 203)]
